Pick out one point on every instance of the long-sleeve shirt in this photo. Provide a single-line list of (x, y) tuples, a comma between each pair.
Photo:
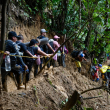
[(12, 48)]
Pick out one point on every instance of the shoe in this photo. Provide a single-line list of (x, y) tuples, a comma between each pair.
[(21, 87), (97, 79), (79, 69)]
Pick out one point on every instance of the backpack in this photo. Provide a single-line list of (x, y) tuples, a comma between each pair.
[(43, 47), (51, 44), (31, 50), (94, 69), (75, 53)]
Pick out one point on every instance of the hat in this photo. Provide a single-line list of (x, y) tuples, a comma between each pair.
[(20, 37), (12, 34), (43, 30), (56, 37), (32, 42), (82, 55), (99, 65), (37, 40), (85, 49)]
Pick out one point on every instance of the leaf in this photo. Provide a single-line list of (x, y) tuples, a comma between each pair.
[(97, 19)]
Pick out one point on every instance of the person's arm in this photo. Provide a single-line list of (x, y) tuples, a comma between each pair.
[(23, 47), (84, 59), (7, 52), (42, 53), (29, 53), (50, 47)]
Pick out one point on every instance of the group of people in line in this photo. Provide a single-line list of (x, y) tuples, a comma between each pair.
[(105, 74), (36, 54), (96, 69)]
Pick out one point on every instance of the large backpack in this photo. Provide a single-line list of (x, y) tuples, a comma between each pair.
[(75, 53), (31, 50), (94, 69), (43, 47), (49, 50)]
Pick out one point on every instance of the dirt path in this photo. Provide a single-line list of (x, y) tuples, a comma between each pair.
[(48, 90)]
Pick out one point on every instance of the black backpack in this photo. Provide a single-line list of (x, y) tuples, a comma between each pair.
[(75, 53), (49, 50), (43, 47), (31, 50)]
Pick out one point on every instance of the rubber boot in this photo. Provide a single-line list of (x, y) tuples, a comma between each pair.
[(79, 69), (20, 85)]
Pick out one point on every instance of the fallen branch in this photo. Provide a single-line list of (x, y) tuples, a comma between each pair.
[(91, 97), (101, 87)]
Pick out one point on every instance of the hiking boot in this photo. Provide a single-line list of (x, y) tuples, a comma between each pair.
[(79, 69), (21, 86), (51, 67)]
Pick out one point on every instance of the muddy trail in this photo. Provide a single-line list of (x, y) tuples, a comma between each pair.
[(51, 87)]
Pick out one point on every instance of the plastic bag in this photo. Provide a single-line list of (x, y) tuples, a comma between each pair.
[(37, 61), (55, 57)]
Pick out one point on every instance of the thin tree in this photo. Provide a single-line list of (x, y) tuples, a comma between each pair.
[(3, 37)]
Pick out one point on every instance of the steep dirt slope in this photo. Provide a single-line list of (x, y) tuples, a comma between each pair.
[(50, 88)]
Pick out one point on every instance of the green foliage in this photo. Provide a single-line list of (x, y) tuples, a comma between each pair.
[(62, 17)]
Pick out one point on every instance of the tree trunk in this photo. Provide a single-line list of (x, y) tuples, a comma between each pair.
[(79, 14), (106, 13), (72, 101), (3, 37)]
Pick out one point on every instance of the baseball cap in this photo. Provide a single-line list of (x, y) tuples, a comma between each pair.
[(43, 30), (12, 34), (56, 37), (32, 42)]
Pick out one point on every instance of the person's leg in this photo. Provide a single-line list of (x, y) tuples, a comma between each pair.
[(53, 63), (78, 64), (19, 78), (29, 64), (93, 76), (35, 70), (79, 69), (63, 60), (41, 63), (46, 59), (96, 75)]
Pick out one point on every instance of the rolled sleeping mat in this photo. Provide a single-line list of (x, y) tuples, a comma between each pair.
[(42, 41)]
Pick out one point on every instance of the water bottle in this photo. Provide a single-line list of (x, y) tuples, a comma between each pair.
[(7, 63)]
